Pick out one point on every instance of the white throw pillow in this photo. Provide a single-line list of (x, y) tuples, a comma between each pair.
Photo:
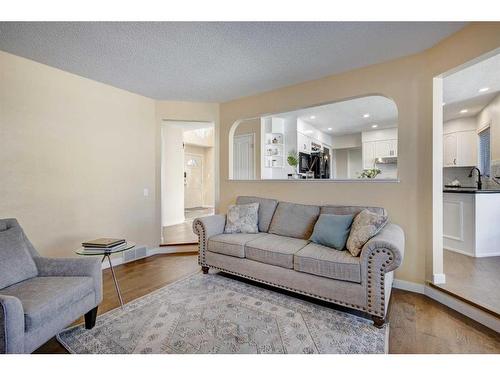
[(242, 218)]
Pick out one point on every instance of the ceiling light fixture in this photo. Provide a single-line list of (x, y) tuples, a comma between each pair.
[(312, 117), (444, 103), (374, 126), (366, 115), (484, 89), (329, 128), (464, 111)]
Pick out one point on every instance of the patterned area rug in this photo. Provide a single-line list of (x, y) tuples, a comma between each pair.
[(216, 314)]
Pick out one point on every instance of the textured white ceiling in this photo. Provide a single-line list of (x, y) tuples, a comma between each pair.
[(347, 117), (461, 89), (215, 61)]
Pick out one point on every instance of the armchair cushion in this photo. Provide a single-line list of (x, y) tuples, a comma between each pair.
[(87, 266), (46, 298), (16, 263)]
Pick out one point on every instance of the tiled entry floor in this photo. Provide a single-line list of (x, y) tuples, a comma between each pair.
[(183, 233)]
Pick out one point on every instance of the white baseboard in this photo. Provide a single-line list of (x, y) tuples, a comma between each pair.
[(439, 278), (409, 286), (117, 259), (453, 303)]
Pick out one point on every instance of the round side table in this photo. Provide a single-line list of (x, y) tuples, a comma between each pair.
[(106, 253)]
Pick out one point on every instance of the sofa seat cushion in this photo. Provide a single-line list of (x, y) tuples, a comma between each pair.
[(327, 262), (274, 249), (232, 244), (46, 298), (294, 220)]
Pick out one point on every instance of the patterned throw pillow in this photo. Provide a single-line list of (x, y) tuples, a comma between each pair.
[(365, 225), (242, 218)]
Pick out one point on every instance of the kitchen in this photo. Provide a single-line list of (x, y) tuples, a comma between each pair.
[(354, 139), (471, 179)]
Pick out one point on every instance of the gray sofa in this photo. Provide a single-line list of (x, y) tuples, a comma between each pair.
[(281, 255), (40, 296)]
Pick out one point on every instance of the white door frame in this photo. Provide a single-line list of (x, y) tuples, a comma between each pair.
[(202, 175), (169, 121), (438, 276)]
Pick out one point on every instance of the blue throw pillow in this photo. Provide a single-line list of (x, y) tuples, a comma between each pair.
[(332, 230)]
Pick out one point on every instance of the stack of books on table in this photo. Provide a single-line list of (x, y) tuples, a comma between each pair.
[(103, 245)]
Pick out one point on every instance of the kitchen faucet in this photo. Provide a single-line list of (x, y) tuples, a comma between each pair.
[(479, 182)]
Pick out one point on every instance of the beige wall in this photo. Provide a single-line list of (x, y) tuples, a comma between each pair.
[(249, 127), (75, 156), (408, 81)]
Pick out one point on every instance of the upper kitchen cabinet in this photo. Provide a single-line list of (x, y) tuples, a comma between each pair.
[(460, 143), (379, 146)]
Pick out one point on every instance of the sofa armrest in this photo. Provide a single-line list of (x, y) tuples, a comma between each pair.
[(391, 240), (11, 325), (380, 255), (206, 227), (88, 266)]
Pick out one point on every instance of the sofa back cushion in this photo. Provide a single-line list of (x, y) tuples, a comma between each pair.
[(16, 263), (351, 210), (266, 210), (294, 220)]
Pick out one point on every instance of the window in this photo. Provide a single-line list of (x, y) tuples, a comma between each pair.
[(484, 151)]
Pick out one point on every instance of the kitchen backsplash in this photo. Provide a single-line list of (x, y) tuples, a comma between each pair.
[(462, 175), (459, 173)]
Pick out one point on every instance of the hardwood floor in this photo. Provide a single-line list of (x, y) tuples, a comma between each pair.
[(473, 279), (417, 323), (183, 233)]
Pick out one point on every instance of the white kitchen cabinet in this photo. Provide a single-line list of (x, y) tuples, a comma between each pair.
[(393, 144), (471, 222), (460, 149), (382, 149), (450, 150), (368, 154)]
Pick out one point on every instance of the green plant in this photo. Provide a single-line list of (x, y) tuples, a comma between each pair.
[(293, 159), (370, 173)]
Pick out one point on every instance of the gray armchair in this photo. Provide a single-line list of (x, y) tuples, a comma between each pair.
[(41, 296)]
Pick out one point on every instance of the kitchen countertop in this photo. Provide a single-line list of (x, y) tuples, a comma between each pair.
[(471, 190)]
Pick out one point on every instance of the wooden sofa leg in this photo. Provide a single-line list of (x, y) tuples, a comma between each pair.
[(90, 318), (378, 321), (204, 269)]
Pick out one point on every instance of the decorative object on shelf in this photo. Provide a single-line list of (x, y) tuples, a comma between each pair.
[(275, 140), (293, 161), (370, 173)]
